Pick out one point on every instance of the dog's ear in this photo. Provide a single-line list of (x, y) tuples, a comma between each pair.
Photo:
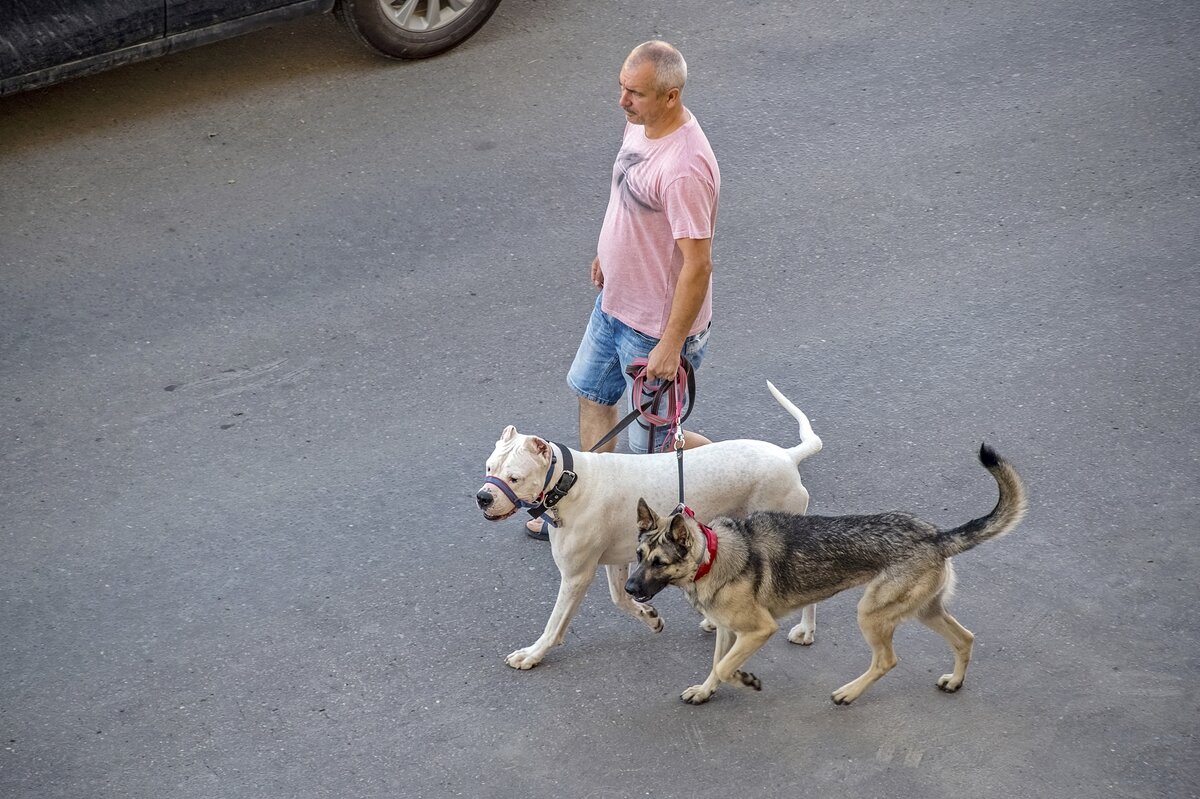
[(679, 530), (647, 518), (508, 433), (538, 447)]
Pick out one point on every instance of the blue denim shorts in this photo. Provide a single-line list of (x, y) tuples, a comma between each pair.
[(598, 372)]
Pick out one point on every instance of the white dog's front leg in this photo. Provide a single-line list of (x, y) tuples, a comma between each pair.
[(804, 632), (646, 614), (570, 594)]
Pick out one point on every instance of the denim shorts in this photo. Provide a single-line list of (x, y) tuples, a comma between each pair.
[(598, 372)]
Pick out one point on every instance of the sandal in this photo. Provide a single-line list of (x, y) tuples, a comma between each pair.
[(536, 529)]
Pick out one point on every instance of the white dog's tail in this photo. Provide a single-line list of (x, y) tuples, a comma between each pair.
[(810, 443)]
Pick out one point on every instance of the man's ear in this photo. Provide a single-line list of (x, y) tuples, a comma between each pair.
[(647, 518)]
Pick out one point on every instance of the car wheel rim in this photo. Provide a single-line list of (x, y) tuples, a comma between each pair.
[(422, 16)]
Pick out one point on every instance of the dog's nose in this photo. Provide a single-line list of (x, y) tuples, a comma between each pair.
[(484, 499), (631, 586)]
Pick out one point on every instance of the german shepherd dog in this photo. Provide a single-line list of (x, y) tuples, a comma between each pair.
[(743, 574)]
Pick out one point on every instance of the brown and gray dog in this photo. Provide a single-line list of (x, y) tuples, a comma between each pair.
[(743, 574)]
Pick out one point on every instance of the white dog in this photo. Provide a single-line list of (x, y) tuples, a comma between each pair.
[(593, 523)]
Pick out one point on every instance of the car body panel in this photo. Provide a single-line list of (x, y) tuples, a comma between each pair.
[(46, 41), (39, 34), (189, 15)]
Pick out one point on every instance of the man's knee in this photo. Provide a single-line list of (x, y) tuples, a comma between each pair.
[(596, 409), (595, 420)]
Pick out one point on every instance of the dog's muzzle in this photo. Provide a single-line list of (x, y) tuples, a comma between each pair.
[(485, 500), (641, 588)]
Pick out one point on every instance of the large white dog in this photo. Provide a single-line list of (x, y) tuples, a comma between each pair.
[(594, 523)]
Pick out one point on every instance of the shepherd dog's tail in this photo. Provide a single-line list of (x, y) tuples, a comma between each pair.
[(1009, 510)]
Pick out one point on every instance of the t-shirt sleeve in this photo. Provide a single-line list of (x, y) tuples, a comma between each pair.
[(688, 202)]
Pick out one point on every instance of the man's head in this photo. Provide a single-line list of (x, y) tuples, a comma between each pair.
[(652, 79)]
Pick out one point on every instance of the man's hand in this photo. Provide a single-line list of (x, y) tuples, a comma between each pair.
[(597, 275), (663, 361)]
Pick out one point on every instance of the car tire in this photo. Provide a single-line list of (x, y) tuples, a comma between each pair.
[(413, 28)]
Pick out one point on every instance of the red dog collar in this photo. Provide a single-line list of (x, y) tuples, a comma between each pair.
[(710, 539)]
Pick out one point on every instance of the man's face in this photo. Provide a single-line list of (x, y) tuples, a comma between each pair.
[(640, 100)]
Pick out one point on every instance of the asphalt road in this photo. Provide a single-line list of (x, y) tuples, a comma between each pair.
[(266, 305)]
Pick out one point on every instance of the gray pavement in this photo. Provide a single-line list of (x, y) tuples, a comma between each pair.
[(266, 305)]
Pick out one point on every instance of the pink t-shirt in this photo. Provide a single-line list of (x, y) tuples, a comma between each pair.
[(662, 190)]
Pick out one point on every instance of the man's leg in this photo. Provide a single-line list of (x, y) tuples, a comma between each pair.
[(596, 374), (595, 420)]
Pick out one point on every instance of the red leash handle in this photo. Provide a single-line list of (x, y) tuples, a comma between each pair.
[(679, 392), (637, 373)]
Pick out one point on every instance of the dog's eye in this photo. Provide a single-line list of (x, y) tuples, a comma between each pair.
[(658, 563), (512, 479)]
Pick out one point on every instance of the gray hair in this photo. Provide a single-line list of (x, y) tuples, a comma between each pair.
[(670, 70)]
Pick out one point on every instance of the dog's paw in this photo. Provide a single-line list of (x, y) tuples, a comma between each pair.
[(523, 659), (802, 635), (846, 694), (650, 618), (948, 683), (708, 626), (696, 695), (747, 679)]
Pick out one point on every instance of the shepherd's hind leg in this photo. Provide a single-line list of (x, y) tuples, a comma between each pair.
[(961, 640), (646, 614), (883, 660), (878, 617)]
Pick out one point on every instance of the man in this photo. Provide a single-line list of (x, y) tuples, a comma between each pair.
[(654, 256)]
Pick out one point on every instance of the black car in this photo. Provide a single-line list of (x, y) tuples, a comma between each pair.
[(46, 41)]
